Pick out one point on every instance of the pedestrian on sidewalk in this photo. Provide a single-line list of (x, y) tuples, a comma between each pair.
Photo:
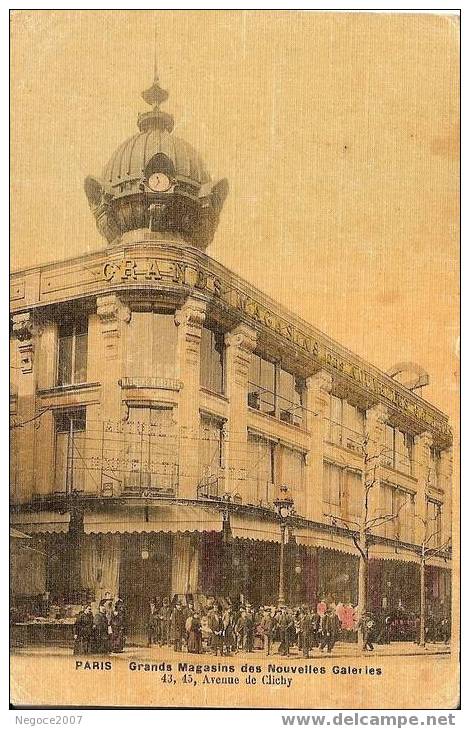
[(366, 625)]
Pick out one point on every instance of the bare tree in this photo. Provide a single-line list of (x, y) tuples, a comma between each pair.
[(426, 552), (361, 530)]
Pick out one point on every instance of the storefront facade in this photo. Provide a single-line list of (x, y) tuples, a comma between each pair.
[(159, 402)]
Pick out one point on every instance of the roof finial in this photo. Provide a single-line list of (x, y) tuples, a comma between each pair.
[(154, 96)]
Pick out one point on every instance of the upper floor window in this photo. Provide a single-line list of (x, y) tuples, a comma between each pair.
[(346, 424), (212, 360), (433, 523), (397, 507), (342, 491), (398, 450), (211, 456), (151, 345), (72, 352), (275, 391), (70, 456), (149, 445)]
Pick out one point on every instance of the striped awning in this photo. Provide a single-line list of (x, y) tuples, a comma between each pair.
[(41, 522), (154, 518), (310, 537), (397, 554), (248, 526)]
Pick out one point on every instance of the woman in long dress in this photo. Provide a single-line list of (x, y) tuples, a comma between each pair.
[(195, 635)]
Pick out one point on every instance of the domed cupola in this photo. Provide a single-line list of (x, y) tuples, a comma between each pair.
[(156, 180)]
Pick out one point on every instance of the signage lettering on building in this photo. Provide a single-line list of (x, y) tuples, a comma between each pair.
[(143, 270)]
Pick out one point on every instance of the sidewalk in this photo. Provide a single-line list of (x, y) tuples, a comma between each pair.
[(341, 650)]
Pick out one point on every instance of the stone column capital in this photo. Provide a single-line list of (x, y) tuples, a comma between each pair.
[(242, 337), (377, 416), (192, 313), (425, 440), (321, 382), (112, 313)]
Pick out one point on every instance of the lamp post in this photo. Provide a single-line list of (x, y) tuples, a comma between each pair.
[(284, 505)]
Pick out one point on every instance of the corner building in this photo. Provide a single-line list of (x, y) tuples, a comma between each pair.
[(159, 401)]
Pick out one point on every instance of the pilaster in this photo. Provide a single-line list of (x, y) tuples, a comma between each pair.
[(239, 344), (26, 332), (317, 405), (113, 316), (189, 319), (422, 470), (374, 448)]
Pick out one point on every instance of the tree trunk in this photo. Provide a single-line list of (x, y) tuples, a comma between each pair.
[(362, 583)]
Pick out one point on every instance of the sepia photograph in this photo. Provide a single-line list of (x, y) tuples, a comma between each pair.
[(234, 359)]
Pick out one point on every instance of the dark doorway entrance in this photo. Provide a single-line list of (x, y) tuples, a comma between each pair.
[(145, 574)]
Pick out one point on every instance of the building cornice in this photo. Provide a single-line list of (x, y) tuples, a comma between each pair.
[(176, 271)]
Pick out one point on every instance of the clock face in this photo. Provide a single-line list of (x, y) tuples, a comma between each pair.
[(159, 182)]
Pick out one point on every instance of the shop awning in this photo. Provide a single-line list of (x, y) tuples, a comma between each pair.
[(41, 522), (385, 551), (154, 518), (247, 526), (310, 537)]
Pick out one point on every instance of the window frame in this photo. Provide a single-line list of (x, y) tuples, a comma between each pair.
[(73, 414), (393, 460), (73, 356), (256, 390), (209, 383), (339, 432)]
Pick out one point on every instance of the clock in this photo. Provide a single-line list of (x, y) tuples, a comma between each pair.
[(159, 182)]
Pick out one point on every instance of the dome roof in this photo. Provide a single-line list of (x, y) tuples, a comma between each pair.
[(185, 203), (131, 157)]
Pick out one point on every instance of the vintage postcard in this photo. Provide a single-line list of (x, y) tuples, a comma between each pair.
[(234, 359)]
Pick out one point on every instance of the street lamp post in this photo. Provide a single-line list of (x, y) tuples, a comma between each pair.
[(284, 505)]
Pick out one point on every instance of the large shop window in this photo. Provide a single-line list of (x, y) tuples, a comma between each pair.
[(72, 352), (397, 506), (70, 456), (212, 360), (342, 491), (433, 523), (346, 424), (276, 392), (211, 457), (151, 345), (151, 450), (398, 450)]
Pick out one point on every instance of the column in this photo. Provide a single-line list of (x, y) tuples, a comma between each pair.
[(114, 315), (317, 404), (189, 319), (422, 470), (239, 343), (26, 332), (376, 417), (445, 482)]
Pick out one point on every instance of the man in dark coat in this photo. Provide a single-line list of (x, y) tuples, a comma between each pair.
[(216, 625), (285, 625), (178, 626), (101, 630), (267, 626), (165, 620), (118, 627), (305, 632), (366, 625), (83, 631), (329, 629)]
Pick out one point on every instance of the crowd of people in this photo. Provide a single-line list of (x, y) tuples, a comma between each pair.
[(222, 628), (103, 631)]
